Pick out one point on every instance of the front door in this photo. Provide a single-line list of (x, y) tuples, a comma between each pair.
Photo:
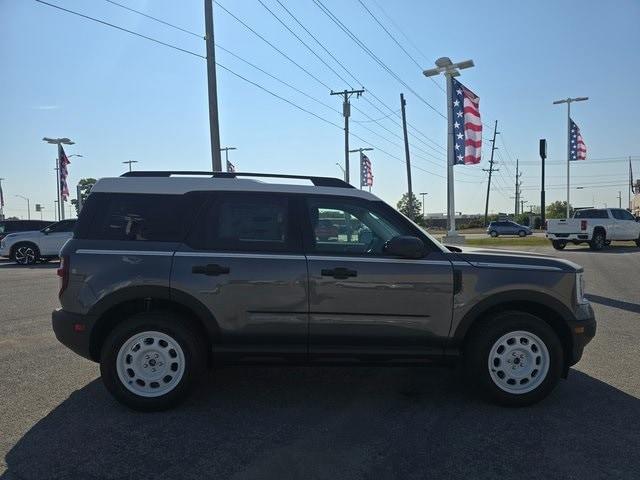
[(243, 261), (55, 237), (364, 303)]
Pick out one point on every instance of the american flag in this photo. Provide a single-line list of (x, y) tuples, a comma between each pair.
[(366, 174), (467, 127), (64, 172), (230, 167), (578, 148)]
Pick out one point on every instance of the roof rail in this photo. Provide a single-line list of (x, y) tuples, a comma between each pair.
[(317, 181)]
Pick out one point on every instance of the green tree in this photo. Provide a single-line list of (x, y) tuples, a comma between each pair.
[(412, 209), (85, 184), (558, 209)]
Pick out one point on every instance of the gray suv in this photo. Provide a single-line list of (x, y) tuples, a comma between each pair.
[(167, 274), (507, 227)]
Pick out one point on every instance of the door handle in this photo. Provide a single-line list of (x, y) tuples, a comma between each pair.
[(339, 272), (211, 269)]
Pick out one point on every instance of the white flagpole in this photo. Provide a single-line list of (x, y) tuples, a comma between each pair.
[(568, 153)]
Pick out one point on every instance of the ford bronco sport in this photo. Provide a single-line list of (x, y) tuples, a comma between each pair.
[(169, 272)]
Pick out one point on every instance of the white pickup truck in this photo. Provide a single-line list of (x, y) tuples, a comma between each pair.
[(595, 226)]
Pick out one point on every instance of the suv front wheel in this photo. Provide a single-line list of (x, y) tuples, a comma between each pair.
[(151, 360), (514, 358)]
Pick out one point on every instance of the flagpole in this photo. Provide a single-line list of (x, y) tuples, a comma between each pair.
[(568, 101), (568, 153)]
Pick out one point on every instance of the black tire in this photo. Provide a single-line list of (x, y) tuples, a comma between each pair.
[(522, 233), (479, 348), (598, 241), (192, 345), (558, 244), (25, 253), (493, 233)]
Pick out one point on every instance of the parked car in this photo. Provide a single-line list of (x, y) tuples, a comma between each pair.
[(507, 227), (595, 226), (15, 226), (27, 248), (166, 274)]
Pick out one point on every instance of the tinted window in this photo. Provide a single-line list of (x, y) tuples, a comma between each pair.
[(147, 217), (350, 227), (245, 222), (622, 215), (591, 213), (63, 226)]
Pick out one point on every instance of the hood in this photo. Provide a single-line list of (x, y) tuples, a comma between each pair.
[(493, 258)]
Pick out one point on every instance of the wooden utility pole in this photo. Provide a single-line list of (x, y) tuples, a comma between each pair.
[(346, 112), (406, 151), (490, 170), (214, 127)]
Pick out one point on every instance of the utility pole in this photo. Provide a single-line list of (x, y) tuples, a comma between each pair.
[(406, 151), (214, 127), (445, 66), (2, 201), (226, 156), (630, 183), (515, 211), (346, 112), (130, 162), (522, 202), (569, 101), (619, 199), (490, 170)]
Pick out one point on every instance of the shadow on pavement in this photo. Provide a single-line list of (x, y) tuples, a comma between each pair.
[(610, 249), (11, 265), (612, 302), (334, 423)]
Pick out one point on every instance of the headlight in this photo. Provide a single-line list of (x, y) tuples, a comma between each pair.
[(580, 288)]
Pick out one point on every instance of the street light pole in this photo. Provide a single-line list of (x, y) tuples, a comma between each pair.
[(1, 201), (569, 101), (423, 195), (445, 66), (28, 206)]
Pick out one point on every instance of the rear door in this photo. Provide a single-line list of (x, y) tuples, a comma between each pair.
[(363, 302), (244, 262), (625, 227)]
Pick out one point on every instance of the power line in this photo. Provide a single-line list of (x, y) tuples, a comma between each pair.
[(368, 51), (200, 36), (122, 29)]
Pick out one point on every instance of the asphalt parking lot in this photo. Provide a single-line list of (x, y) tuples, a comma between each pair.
[(57, 420)]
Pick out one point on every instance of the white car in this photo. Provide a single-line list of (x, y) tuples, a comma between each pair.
[(26, 248), (595, 226)]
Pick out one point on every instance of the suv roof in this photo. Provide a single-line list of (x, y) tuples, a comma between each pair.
[(180, 182)]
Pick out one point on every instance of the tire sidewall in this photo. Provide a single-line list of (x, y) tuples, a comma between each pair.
[(493, 233), (479, 348), (598, 241), (192, 347), (522, 233)]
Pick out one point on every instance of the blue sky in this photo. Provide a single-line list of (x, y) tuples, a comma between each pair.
[(120, 97)]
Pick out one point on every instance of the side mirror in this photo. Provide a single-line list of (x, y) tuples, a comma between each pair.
[(405, 246)]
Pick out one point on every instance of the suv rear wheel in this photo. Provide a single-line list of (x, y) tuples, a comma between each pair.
[(151, 361), (514, 359), (26, 253), (558, 244), (493, 233)]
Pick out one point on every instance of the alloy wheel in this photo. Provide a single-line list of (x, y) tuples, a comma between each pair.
[(25, 255)]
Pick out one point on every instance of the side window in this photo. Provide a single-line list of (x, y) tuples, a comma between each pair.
[(138, 217), (349, 227), (617, 214), (245, 222), (626, 215)]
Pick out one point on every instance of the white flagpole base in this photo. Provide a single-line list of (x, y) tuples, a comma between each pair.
[(453, 237)]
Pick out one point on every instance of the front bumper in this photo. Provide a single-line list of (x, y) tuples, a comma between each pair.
[(583, 329), (72, 330)]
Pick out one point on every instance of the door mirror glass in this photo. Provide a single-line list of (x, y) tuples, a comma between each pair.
[(405, 246)]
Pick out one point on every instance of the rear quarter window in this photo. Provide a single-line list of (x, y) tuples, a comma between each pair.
[(135, 217)]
